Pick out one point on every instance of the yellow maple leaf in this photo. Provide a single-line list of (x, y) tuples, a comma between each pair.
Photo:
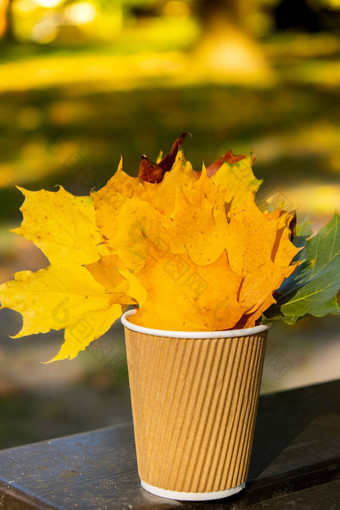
[(61, 225), (108, 271), (65, 295), (260, 250), (237, 180), (182, 296)]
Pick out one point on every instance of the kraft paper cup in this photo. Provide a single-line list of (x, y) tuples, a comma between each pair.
[(194, 402)]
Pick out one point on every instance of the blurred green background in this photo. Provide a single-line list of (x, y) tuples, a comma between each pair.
[(84, 82)]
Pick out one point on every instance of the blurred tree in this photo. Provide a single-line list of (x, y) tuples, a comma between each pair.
[(301, 17), (219, 13), (6, 20), (307, 15)]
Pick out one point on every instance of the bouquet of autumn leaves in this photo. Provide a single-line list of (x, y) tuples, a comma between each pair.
[(192, 251)]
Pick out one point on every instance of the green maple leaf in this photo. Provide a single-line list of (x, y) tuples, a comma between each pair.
[(313, 288)]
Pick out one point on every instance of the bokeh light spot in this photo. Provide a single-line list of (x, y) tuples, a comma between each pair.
[(48, 3), (45, 31), (81, 13)]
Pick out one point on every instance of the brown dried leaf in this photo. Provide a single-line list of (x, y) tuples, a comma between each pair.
[(154, 172)]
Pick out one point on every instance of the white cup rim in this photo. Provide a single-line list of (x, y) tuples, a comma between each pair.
[(231, 333)]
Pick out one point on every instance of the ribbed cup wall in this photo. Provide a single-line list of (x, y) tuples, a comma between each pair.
[(194, 405)]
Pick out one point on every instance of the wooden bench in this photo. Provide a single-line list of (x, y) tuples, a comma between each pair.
[(295, 463)]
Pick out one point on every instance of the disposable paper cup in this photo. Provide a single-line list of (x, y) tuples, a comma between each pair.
[(194, 401)]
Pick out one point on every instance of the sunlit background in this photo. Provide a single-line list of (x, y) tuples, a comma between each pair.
[(83, 82)]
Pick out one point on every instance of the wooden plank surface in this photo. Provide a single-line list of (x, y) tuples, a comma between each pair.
[(295, 455), (325, 496)]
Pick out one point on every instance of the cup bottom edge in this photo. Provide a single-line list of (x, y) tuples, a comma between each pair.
[(191, 496)]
